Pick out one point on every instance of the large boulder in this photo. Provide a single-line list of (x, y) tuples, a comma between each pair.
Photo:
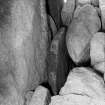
[(77, 41), (58, 61), (83, 87), (52, 26), (97, 51), (84, 81), (23, 48), (89, 15), (85, 23)]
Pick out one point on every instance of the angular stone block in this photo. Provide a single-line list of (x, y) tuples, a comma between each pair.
[(41, 96), (57, 61), (67, 11), (97, 51), (84, 81)]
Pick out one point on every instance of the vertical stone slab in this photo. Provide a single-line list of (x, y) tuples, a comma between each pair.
[(57, 61), (24, 43)]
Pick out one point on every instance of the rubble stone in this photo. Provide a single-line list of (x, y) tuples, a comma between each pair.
[(84, 2), (89, 15), (77, 41), (41, 96), (97, 51)]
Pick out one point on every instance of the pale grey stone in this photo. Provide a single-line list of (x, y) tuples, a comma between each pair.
[(84, 81), (76, 99), (41, 96), (89, 15), (97, 52)]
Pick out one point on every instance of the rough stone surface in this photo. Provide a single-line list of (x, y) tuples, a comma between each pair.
[(77, 41), (23, 48), (58, 61), (86, 82), (89, 15), (28, 97), (41, 96), (67, 11), (84, 2), (102, 7), (97, 51), (76, 99)]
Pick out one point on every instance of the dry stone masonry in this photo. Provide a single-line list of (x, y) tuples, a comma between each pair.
[(52, 52)]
